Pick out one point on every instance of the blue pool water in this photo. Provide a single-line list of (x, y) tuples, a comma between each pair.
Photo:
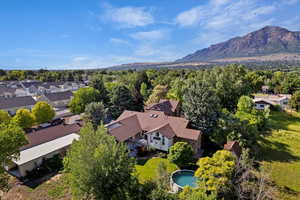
[(185, 178)]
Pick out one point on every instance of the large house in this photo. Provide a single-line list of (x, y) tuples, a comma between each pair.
[(155, 129), (265, 100), (43, 144), (11, 105)]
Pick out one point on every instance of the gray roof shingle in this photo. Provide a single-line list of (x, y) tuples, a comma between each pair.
[(16, 102)]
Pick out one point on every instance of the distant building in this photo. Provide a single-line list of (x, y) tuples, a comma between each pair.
[(57, 99), (11, 105), (263, 101)]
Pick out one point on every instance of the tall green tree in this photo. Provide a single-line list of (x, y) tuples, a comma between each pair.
[(181, 153), (98, 166), (122, 99), (295, 101), (42, 112), (24, 118), (83, 97), (4, 116), (201, 105), (96, 113), (98, 84)]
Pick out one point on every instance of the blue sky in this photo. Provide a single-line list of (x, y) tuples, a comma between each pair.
[(71, 34)]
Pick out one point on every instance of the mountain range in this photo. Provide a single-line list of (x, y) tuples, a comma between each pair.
[(269, 44), (266, 41)]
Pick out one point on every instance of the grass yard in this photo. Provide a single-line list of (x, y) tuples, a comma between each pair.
[(147, 171), (280, 153)]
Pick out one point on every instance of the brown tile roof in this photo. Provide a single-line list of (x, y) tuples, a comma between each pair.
[(148, 123), (165, 129), (164, 105), (59, 96), (125, 128), (234, 147), (16, 102), (49, 134)]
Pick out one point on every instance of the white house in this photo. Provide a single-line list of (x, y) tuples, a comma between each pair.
[(263, 101)]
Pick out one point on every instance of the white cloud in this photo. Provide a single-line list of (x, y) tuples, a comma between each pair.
[(149, 35), (119, 41), (128, 17), (219, 20), (219, 2), (219, 13), (290, 2), (190, 17)]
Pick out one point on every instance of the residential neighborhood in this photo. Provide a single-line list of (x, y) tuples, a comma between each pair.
[(181, 132), (150, 100)]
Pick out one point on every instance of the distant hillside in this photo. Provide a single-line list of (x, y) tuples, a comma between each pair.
[(266, 41)]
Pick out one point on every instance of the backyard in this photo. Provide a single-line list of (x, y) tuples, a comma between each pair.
[(280, 153), (148, 171)]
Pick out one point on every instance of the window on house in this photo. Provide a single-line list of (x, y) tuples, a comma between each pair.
[(163, 140), (157, 134)]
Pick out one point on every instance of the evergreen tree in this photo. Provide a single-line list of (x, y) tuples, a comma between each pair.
[(96, 113), (201, 106), (98, 84), (122, 99)]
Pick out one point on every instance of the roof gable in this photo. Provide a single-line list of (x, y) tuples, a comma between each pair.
[(148, 122)]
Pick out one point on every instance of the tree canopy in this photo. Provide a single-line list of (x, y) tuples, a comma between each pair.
[(181, 153), (24, 118), (295, 101), (83, 97), (98, 166), (201, 105), (215, 172), (159, 92), (122, 99), (42, 112), (12, 137), (97, 83), (96, 113), (4, 117)]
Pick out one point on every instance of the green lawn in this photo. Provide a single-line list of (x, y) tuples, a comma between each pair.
[(147, 171), (281, 153)]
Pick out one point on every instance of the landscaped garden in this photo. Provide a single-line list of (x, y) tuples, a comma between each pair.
[(281, 153)]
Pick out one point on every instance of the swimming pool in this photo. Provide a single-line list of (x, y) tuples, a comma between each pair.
[(181, 178)]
